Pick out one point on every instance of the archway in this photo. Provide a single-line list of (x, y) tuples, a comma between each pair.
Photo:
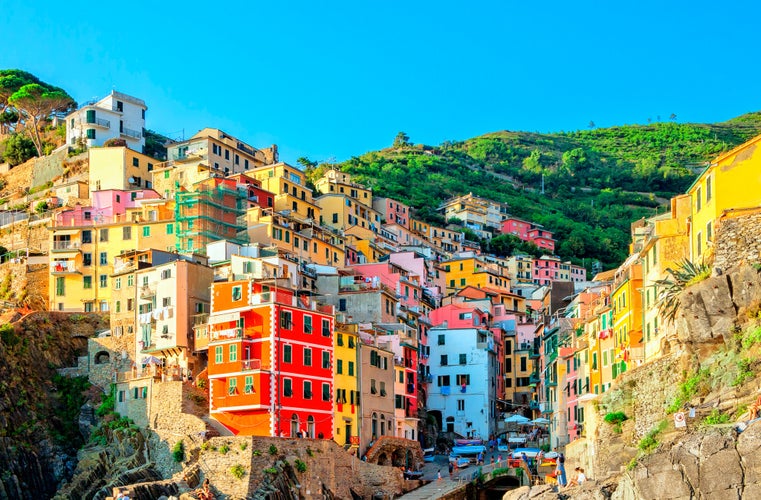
[(398, 457), (382, 459), (102, 357)]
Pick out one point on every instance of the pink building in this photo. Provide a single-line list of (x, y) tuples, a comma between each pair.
[(528, 231), (392, 211), (108, 206)]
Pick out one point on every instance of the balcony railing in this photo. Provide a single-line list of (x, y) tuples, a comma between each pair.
[(99, 122), (227, 333), (63, 267), (64, 246), (131, 133), (251, 364)]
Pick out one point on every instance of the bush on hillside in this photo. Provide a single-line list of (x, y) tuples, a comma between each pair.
[(18, 149)]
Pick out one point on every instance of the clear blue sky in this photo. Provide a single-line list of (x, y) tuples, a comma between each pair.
[(337, 79)]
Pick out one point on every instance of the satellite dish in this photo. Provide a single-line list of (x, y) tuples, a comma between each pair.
[(131, 180)]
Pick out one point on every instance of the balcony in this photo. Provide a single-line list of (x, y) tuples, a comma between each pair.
[(147, 292), (226, 334), (63, 267), (66, 246), (99, 122), (251, 364), (132, 134)]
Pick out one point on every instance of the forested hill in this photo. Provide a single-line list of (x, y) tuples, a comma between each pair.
[(596, 182)]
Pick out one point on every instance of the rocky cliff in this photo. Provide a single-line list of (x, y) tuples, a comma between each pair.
[(38, 409)]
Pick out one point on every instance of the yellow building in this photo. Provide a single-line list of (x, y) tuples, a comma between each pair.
[(86, 240), (479, 214), (730, 181), (349, 215), (119, 168), (289, 186), (665, 244), (461, 272), (626, 299), (337, 182), (220, 151), (304, 241), (346, 386)]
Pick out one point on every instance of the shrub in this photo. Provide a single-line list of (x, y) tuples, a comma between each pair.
[(205, 446), (310, 452), (270, 470), (716, 418), (752, 337), (201, 383), (237, 471), (224, 449), (688, 389), (243, 446), (300, 466), (649, 442), (178, 452), (273, 449), (107, 403), (256, 453), (41, 207), (615, 417), (744, 372)]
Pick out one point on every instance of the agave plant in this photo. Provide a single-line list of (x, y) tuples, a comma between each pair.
[(685, 274)]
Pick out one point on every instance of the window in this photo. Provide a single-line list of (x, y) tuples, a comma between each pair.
[(460, 405), (86, 283), (523, 363), (287, 353), (248, 384), (169, 229), (307, 356), (340, 339), (443, 381), (335, 218), (237, 293), (131, 280), (233, 352), (232, 386), (307, 324), (342, 304), (218, 354), (127, 233), (700, 243), (146, 231), (118, 284), (709, 190), (339, 366), (103, 258), (326, 359), (285, 320), (130, 305), (87, 236), (103, 280), (383, 389), (135, 162), (442, 340), (91, 133), (699, 199), (326, 329), (104, 234), (444, 360), (463, 359), (87, 259), (463, 379), (326, 392), (307, 389), (351, 368), (709, 232)]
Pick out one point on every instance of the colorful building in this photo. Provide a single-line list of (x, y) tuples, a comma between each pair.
[(270, 361), (346, 383)]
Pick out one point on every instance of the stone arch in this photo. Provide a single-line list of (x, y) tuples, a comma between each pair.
[(102, 357), (398, 457), (382, 459)]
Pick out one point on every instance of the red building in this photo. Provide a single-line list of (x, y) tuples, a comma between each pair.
[(270, 361)]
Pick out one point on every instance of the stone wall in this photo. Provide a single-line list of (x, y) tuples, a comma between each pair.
[(327, 466), (738, 239)]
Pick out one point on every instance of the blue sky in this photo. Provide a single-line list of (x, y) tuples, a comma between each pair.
[(337, 79)]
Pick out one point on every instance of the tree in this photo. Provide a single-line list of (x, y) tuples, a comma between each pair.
[(401, 140), (41, 207), (36, 102), (18, 149)]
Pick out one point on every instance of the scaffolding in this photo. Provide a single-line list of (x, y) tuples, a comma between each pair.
[(211, 212)]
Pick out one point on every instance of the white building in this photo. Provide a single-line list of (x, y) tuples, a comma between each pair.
[(116, 116), (464, 369)]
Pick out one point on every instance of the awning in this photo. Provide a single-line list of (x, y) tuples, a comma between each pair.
[(65, 232), (224, 318), (69, 254)]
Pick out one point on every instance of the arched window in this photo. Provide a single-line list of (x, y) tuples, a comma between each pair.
[(294, 425), (310, 426), (375, 426)]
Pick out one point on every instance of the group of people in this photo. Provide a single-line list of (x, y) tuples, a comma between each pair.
[(579, 478)]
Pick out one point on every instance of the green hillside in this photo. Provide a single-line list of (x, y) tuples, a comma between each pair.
[(596, 182)]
